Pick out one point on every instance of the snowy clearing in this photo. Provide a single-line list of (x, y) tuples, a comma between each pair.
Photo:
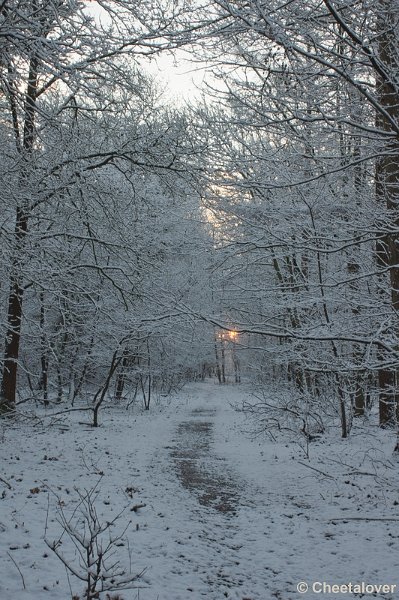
[(214, 514)]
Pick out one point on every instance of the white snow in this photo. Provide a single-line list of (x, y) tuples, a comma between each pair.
[(275, 523)]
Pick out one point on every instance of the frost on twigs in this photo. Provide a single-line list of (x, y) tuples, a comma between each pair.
[(89, 547), (287, 413)]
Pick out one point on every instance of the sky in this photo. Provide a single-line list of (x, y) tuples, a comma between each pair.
[(180, 79)]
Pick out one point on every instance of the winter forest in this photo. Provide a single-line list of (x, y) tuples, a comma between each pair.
[(199, 299)]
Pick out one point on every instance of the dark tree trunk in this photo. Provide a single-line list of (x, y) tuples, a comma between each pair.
[(387, 191), (44, 354), (218, 369), (120, 382), (14, 316)]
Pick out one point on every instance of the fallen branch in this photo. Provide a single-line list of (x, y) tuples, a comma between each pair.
[(353, 473), (136, 507), (67, 410), (19, 570), (5, 483), (317, 470), (364, 519)]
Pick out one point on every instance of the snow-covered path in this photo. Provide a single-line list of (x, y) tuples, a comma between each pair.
[(249, 522), (213, 513), (213, 552), (208, 547), (199, 469)]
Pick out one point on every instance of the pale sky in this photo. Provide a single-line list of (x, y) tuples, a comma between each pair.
[(177, 76), (180, 78)]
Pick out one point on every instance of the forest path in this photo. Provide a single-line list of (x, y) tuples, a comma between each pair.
[(243, 520), (212, 551), (198, 468)]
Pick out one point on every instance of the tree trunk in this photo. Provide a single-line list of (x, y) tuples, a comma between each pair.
[(14, 317), (387, 192), (218, 369), (13, 336), (101, 393), (43, 353), (120, 381)]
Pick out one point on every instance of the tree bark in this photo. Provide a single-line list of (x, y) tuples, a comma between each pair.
[(387, 192), (14, 317)]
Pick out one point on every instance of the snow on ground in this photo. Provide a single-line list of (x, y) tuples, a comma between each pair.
[(225, 516)]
